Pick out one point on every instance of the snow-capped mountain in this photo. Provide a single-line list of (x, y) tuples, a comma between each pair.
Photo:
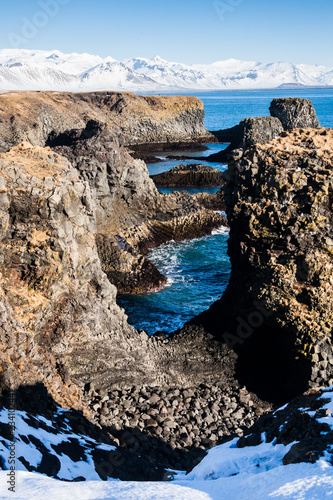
[(114, 75), (54, 70), (23, 76), (68, 63)]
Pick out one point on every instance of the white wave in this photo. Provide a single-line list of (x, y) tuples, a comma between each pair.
[(221, 230)]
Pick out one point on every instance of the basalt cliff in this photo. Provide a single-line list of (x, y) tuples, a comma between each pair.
[(277, 310), (33, 116), (77, 217), (92, 131)]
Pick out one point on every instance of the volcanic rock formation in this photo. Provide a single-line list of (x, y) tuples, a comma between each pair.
[(294, 113), (286, 114), (192, 175), (132, 216), (33, 116), (60, 324), (277, 310)]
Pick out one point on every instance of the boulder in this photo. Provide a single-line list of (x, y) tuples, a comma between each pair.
[(294, 112), (249, 132)]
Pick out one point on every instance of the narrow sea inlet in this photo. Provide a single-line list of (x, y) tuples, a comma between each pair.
[(197, 272)]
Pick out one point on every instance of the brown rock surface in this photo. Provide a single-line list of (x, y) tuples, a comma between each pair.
[(59, 318), (132, 216), (192, 175), (32, 116), (276, 311)]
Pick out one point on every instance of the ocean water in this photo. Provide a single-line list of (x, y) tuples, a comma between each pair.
[(192, 190), (198, 271), (166, 164), (224, 109)]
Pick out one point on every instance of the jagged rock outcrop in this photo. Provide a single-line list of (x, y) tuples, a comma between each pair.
[(212, 201), (247, 133), (192, 175), (306, 421), (129, 209), (60, 324), (277, 310), (294, 112), (286, 114), (33, 116)]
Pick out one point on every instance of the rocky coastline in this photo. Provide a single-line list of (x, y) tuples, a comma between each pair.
[(139, 120), (78, 215), (278, 207)]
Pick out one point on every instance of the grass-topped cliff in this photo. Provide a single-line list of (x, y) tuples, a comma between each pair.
[(33, 116)]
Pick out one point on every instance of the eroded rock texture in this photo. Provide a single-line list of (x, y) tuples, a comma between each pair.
[(277, 309), (192, 175), (247, 133), (32, 116), (60, 324), (132, 216), (294, 113), (286, 114)]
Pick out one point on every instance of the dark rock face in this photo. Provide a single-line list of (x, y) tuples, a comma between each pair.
[(192, 175), (129, 209), (129, 270), (249, 132), (302, 421), (211, 201), (286, 114), (60, 323), (294, 113), (275, 312), (259, 131)]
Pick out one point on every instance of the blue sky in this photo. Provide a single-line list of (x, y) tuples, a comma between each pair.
[(195, 31)]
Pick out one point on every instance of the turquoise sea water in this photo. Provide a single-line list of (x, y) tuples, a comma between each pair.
[(166, 164), (198, 271)]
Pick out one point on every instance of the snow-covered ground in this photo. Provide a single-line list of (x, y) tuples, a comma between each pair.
[(227, 472), (296, 481), (22, 69)]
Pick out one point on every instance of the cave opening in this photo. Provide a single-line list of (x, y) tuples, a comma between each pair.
[(267, 364)]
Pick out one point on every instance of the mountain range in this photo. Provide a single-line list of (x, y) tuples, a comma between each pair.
[(22, 69)]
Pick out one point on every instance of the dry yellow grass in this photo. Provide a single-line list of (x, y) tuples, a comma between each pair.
[(33, 161), (305, 142)]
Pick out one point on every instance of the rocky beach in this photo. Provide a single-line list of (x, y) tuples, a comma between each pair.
[(79, 214)]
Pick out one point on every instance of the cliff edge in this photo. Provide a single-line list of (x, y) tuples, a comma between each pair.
[(276, 312), (33, 116)]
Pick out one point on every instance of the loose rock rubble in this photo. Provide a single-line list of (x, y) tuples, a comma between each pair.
[(174, 426)]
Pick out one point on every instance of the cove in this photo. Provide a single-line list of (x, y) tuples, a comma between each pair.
[(197, 271)]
